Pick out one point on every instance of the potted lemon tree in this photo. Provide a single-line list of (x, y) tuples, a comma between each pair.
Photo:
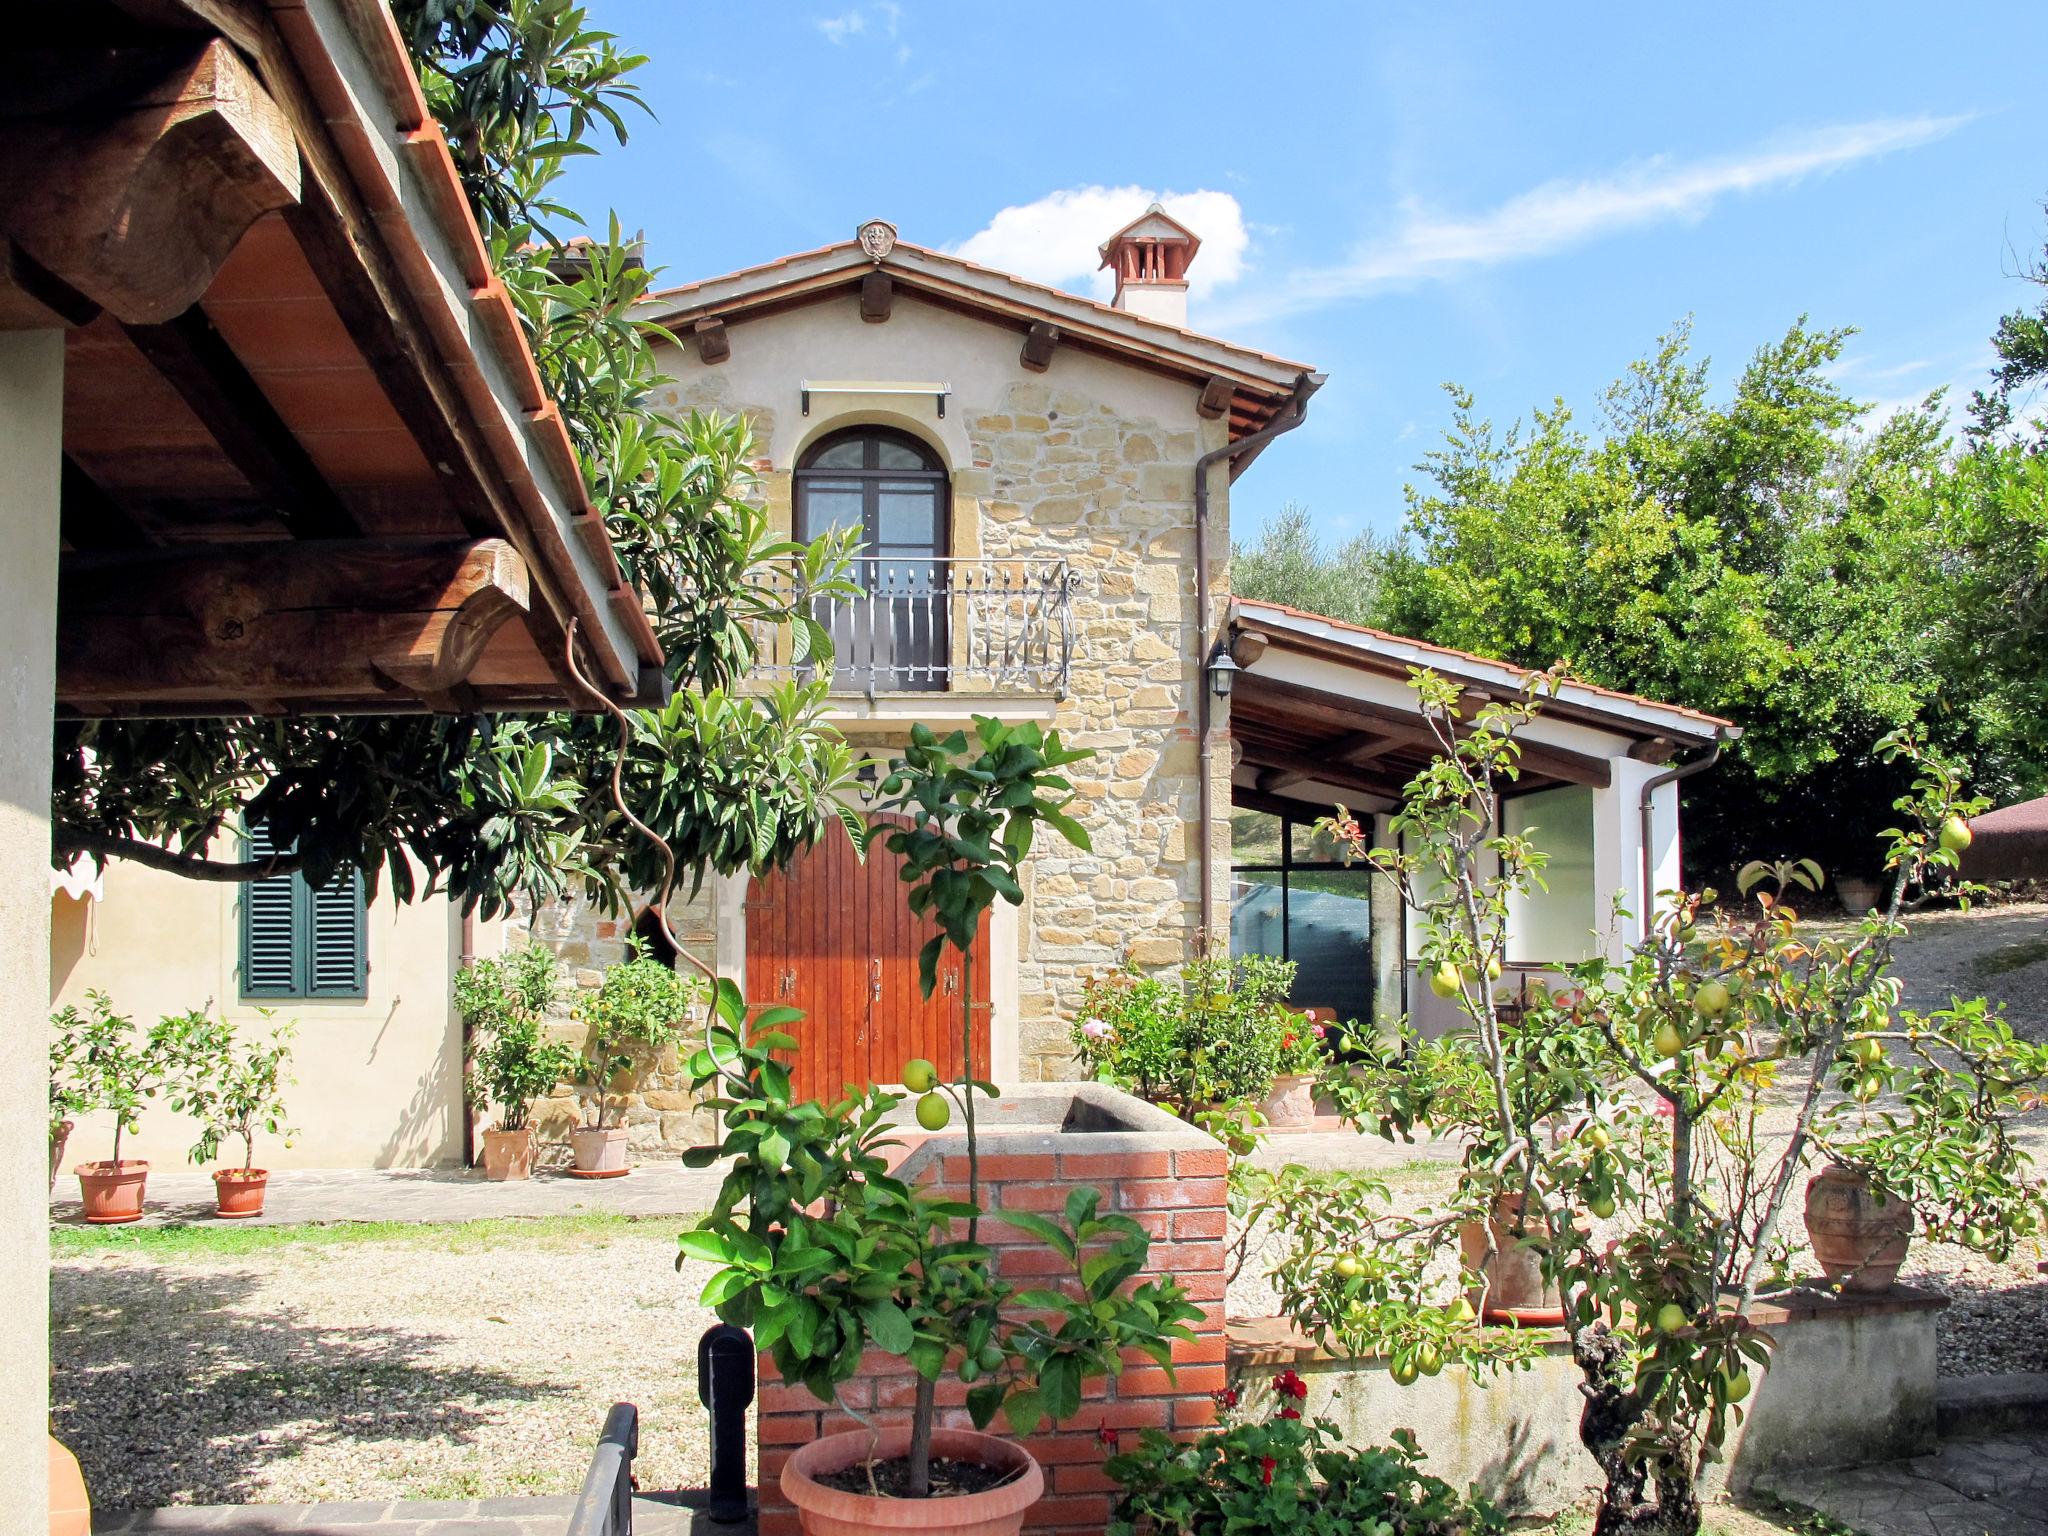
[(641, 1006), (825, 1255), (116, 1069), (233, 1088)]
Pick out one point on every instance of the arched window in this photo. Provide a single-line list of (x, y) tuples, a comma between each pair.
[(891, 488)]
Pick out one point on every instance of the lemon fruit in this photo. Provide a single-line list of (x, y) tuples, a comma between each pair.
[(933, 1112), (919, 1075)]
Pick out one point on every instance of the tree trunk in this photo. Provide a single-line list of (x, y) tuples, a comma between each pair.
[(1611, 1412), (920, 1454)]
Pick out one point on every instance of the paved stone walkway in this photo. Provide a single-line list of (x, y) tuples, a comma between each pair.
[(664, 1515), (1993, 1486), (420, 1194)]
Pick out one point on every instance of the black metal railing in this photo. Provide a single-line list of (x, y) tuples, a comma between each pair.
[(605, 1506), (929, 624)]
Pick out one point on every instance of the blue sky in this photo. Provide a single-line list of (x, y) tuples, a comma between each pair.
[(1515, 197)]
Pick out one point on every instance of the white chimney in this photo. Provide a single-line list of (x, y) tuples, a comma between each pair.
[(1150, 257)]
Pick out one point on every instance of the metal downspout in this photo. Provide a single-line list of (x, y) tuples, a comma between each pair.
[(1304, 386), (1650, 788)]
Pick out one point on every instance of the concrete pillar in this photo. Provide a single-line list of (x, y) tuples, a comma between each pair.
[(31, 439), (1618, 852), (1388, 943)]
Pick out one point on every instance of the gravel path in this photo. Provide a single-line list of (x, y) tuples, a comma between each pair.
[(421, 1367)]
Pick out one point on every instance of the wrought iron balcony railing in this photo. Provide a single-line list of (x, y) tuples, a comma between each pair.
[(925, 624)]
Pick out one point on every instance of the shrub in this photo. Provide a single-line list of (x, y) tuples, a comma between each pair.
[(641, 1003), (1285, 1472), (110, 1067), (1215, 1034), (506, 1003)]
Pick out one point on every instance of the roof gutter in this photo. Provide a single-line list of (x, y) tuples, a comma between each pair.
[(1650, 787), (1286, 420)]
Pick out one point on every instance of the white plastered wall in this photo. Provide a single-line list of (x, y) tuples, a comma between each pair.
[(31, 435)]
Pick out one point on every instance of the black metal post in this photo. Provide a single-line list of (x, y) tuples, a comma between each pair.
[(725, 1383)]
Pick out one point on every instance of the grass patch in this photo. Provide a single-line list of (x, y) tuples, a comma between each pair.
[(228, 1240), (2013, 957)]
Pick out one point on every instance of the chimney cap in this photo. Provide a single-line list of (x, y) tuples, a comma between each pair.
[(1154, 224)]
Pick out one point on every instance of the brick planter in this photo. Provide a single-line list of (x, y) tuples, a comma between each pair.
[(1038, 1142)]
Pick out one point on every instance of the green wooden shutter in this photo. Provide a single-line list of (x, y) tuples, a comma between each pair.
[(270, 928), (299, 942), (336, 952)]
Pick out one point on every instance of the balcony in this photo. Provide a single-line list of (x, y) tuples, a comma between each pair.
[(924, 625)]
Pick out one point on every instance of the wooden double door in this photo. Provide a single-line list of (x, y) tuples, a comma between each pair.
[(834, 936)]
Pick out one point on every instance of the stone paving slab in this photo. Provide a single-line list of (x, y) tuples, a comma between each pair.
[(304, 1195), (653, 1515), (1993, 1486)]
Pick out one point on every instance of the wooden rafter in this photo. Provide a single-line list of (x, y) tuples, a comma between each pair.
[(1039, 343), (197, 362), (1284, 700), (283, 621), (1290, 768), (877, 294), (136, 207)]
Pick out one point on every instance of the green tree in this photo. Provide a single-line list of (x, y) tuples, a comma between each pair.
[(2021, 342), (1289, 563), (1759, 557)]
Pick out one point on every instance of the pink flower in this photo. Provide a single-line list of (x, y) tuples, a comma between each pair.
[(1322, 1031), (1097, 1029)]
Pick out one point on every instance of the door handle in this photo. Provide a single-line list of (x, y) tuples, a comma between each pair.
[(874, 981), (950, 985), (785, 984)]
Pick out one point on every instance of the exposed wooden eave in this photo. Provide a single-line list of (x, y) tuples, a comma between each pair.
[(210, 629)]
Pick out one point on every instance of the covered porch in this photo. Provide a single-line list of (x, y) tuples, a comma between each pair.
[(1321, 712)]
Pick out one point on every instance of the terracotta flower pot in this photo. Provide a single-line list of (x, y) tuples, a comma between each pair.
[(1859, 1237), (1515, 1290), (57, 1139), (600, 1152), (112, 1192), (508, 1154), (238, 1192), (829, 1512), (1290, 1104)]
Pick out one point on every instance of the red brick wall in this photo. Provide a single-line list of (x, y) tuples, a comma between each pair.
[(1177, 1195)]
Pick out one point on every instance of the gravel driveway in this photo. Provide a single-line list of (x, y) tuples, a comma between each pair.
[(442, 1363)]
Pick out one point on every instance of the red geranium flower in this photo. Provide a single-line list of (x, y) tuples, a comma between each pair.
[(1290, 1413), (1287, 1384), (1287, 1042), (1227, 1398), (1266, 1465), (1106, 1435)]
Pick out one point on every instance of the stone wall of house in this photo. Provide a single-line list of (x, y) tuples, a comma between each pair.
[(1059, 475), (661, 1115), (1092, 464)]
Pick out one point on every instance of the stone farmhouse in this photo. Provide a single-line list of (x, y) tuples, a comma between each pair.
[(1042, 486)]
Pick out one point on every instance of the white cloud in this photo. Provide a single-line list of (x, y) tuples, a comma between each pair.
[(1054, 240), (1561, 214), (838, 29)]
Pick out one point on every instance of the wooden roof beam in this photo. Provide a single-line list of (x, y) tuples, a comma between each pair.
[(877, 296), (284, 621), (1284, 700), (1039, 344), (196, 361), (1299, 768), (138, 214)]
